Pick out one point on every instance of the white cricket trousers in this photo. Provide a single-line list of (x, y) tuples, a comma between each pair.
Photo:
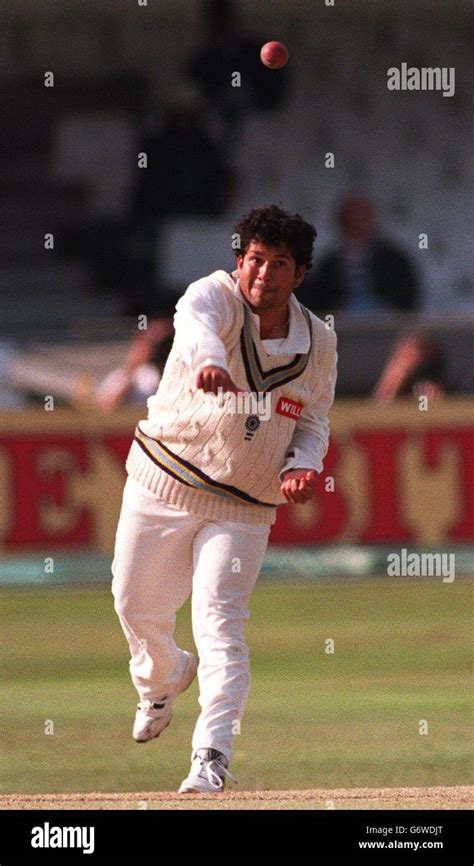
[(162, 554)]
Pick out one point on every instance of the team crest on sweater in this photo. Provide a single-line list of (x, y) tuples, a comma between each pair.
[(252, 424)]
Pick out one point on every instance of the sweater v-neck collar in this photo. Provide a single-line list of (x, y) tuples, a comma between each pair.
[(297, 342)]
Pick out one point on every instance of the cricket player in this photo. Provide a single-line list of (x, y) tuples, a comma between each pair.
[(238, 426)]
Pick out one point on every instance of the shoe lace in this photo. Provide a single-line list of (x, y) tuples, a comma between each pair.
[(215, 778), (153, 707)]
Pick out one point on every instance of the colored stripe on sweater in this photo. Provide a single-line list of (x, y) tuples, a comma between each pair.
[(188, 474), (266, 380)]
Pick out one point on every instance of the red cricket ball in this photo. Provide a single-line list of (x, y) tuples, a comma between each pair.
[(274, 55)]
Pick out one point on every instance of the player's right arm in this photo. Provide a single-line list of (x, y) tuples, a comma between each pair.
[(203, 315)]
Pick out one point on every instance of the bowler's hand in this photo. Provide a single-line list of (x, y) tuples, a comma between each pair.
[(298, 484), (212, 378)]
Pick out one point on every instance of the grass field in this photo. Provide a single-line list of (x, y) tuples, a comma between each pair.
[(315, 721)]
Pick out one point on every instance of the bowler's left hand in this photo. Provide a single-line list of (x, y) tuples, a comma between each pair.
[(298, 484)]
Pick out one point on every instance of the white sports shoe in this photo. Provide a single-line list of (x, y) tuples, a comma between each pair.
[(207, 775), (153, 717)]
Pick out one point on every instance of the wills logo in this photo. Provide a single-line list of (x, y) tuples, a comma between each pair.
[(290, 408)]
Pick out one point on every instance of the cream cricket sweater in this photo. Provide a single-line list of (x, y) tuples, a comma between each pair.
[(222, 458)]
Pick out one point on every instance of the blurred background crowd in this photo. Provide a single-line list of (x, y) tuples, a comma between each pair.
[(135, 165)]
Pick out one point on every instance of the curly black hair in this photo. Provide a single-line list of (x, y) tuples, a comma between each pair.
[(273, 226)]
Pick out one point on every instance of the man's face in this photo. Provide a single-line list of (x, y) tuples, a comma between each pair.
[(268, 275), (358, 219)]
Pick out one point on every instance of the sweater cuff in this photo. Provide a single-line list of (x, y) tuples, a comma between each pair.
[(213, 362), (296, 460)]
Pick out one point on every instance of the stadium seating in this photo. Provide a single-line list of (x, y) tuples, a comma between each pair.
[(410, 151)]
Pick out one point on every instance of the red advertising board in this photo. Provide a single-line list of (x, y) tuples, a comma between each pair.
[(392, 473)]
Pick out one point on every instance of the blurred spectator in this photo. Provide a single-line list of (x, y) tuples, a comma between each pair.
[(226, 51), (187, 173), (366, 273), (143, 367), (9, 398), (416, 367)]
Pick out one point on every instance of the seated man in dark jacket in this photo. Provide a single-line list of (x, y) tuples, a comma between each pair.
[(365, 273)]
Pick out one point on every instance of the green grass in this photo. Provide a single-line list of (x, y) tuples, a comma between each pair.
[(402, 654)]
